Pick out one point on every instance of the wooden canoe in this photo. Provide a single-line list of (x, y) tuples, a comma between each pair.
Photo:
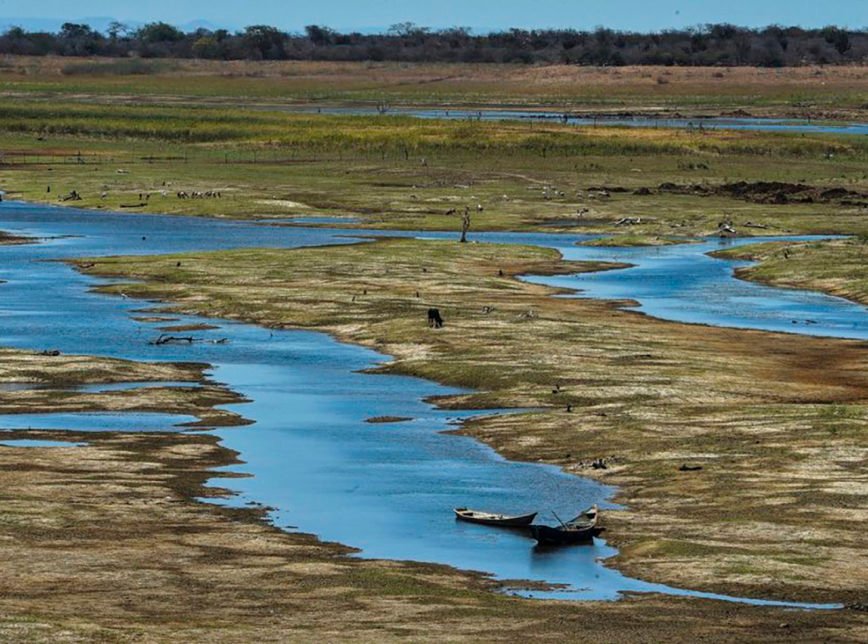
[(581, 529), (487, 518)]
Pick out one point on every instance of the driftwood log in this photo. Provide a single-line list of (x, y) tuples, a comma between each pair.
[(187, 339)]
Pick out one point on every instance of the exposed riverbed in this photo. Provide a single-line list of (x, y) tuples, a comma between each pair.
[(387, 489)]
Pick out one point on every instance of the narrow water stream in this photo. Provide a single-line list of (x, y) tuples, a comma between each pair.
[(386, 489), (669, 122)]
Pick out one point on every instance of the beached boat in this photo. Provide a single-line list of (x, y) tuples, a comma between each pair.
[(582, 529), (487, 518)]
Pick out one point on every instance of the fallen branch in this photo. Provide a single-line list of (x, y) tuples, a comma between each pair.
[(187, 339), (171, 339)]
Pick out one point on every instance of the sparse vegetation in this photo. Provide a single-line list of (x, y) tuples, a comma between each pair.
[(646, 395), (810, 92), (776, 421), (400, 172)]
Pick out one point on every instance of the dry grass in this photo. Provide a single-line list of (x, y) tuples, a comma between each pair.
[(68, 370), (776, 421), (105, 543), (53, 384), (799, 91)]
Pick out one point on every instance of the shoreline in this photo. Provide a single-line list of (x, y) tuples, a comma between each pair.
[(473, 401), (255, 581), (768, 259), (240, 606)]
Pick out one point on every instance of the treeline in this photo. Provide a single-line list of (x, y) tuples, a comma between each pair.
[(719, 44)]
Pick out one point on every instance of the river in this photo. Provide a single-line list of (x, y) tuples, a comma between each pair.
[(386, 489)]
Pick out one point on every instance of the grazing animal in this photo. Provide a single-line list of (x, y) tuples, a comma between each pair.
[(435, 321)]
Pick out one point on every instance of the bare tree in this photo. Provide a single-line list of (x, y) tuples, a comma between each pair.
[(465, 224)]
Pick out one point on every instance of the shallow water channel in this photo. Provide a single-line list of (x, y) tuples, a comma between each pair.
[(386, 489), (759, 124)]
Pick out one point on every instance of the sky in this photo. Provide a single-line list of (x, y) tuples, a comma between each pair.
[(481, 15)]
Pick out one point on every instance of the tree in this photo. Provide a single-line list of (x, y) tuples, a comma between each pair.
[(79, 39), (319, 36), (721, 44), (72, 31), (264, 42), (206, 47), (838, 38), (406, 29), (116, 29), (159, 32)]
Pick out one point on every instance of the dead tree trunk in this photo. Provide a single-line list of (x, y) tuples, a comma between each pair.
[(465, 224)]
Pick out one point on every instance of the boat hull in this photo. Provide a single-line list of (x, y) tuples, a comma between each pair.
[(582, 529), (547, 536), (500, 520)]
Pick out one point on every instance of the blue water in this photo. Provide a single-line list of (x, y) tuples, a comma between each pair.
[(707, 123), (96, 421), (386, 489), (683, 283)]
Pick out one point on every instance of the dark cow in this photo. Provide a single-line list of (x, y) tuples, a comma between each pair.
[(434, 319)]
